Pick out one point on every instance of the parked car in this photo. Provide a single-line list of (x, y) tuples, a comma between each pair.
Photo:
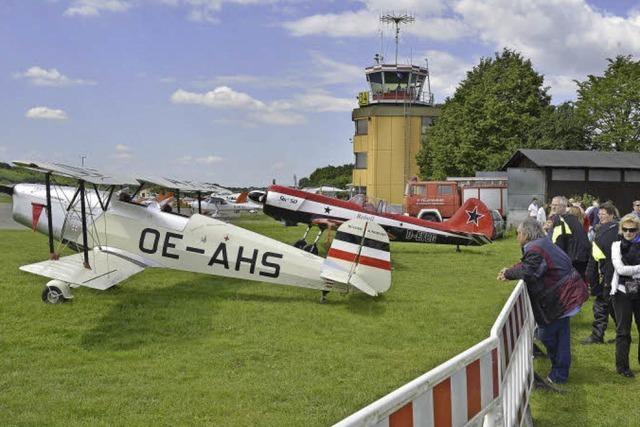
[(498, 224)]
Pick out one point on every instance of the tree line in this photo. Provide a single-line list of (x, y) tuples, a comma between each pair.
[(335, 176), (502, 106)]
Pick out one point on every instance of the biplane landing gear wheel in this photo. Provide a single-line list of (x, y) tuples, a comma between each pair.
[(300, 244), (312, 248), (323, 297), (56, 292), (52, 295)]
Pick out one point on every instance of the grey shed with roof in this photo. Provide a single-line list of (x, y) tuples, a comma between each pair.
[(609, 175)]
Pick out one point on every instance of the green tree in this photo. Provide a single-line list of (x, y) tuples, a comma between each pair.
[(336, 176), (559, 128), (609, 106), (492, 113)]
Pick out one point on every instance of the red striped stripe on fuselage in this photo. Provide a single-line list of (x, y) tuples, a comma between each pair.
[(362, 259)]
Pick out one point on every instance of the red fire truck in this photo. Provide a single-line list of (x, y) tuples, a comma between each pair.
[(438, 200)]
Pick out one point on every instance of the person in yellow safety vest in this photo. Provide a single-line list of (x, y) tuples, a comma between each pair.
[(600, 272), (568, 234)]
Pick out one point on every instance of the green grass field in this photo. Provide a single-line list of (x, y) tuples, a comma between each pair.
[(172, 348)]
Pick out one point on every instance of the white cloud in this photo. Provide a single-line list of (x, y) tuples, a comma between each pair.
[(96, 7), (209, 160), (220, 97), (562, 87), (362, 23), (39, 76), (560, 36), (329, 71), (224, 97), (123, 152), (411, 6), (46, 113), (565, 39), (282, 118), (278, 112), (438, 28), (321, 101), (366, 21), (196, 10), (324, 71), (446, 72), (251, 80), (206, 10)]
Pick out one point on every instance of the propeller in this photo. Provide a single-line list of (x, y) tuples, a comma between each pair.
[(257, 196)]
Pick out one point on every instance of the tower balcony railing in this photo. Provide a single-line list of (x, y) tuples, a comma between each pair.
[(398, 96)]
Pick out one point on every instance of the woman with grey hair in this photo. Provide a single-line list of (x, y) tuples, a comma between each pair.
[(625, 257), (556, 291)]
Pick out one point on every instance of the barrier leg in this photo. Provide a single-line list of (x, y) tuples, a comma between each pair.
[(527, 419), (494, 417)]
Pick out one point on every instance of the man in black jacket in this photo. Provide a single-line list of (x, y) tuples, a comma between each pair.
[(600, 272), (568, 234)]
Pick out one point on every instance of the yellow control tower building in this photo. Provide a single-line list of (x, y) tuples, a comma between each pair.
[(391, 120)]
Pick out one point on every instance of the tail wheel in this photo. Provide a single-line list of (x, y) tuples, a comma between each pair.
[(52, 295), (313, 248)]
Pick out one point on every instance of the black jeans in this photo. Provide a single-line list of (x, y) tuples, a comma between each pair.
[(625, 308), (602, 308)]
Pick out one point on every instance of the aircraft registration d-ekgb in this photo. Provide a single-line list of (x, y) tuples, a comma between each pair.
[(472, 224), (118, 239)]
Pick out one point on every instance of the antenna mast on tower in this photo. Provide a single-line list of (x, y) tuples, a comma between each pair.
[(397, 19)]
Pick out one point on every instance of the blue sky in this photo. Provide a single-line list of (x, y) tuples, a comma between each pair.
[(241, 92)]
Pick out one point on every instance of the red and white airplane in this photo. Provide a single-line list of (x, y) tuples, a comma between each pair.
[(472, 224)]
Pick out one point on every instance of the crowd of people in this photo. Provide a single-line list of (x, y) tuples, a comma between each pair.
[(569, 252)]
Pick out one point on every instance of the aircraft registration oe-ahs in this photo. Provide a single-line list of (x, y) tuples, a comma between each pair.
[(117, 239), (472, 224)]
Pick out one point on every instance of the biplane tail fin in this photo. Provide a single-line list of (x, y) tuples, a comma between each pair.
[(243, 197), (359, 256), (473, 217)]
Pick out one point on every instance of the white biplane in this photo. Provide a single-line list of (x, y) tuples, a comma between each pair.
[(116, 239)]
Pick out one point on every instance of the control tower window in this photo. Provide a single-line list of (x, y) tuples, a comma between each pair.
[(361, 161), (426, 122), (362, 126), (396, 81), (375, 80), (415, 86)]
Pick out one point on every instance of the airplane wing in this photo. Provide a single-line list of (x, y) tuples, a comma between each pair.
[(107, 269)]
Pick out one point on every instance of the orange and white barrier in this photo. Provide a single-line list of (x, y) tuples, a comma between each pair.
[(488, 384)]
